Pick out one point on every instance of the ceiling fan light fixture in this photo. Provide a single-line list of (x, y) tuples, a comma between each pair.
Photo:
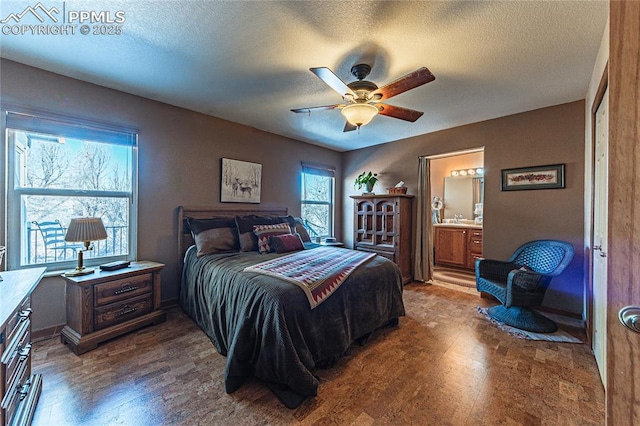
[(359, 114)]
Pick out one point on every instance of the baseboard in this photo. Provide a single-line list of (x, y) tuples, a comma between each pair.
[(46, 333), (559, 312), (171, 303)]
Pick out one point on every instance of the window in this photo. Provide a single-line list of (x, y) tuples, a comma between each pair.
[(318, 184), (60, 168)]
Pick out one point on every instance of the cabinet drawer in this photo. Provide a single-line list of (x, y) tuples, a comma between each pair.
[(116, 313), (17, 354), (126, 288), (15, 391), (475, 245), (386, 254), (21, 314), (476, 233)]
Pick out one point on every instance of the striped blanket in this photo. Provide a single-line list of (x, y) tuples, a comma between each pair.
[(318, 272)]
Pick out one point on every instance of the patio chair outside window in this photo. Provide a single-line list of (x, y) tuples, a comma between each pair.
[(53, 237)]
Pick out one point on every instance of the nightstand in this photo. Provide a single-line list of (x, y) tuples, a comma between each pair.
[(107, 304), (331, 244)]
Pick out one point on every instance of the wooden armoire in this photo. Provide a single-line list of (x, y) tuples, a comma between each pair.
[(382, 225)]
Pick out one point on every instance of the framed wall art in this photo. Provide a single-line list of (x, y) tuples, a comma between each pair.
[(241, 181), (539, 177)]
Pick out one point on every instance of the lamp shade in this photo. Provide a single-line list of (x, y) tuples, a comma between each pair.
[(359, 114), (85, 229)]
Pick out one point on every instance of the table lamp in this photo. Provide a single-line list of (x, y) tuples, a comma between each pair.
[(85, 230)]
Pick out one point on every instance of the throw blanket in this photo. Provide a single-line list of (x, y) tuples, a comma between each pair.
[(318, 272)]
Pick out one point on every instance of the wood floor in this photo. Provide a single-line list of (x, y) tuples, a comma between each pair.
[(443, 365)]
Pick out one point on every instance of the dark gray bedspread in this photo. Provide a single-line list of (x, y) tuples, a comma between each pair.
[(265, 326)]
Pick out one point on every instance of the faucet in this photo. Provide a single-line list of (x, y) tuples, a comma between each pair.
[(457, 218)]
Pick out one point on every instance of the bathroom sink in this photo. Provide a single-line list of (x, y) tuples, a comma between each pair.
[(462, 223), (459, 222)]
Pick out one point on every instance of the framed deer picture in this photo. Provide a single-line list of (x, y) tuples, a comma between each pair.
[(241, 181)]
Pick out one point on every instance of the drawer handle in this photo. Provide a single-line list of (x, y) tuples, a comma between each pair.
[(126, 310), (24, 352), (24, 390), (126, 289), (23, 315)]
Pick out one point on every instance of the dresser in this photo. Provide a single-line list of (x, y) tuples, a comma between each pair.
[(382, 225), (457, 246), (20, 389), (107, 304)]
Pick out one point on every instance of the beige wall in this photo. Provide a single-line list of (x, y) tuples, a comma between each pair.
[(545, 136), (179, 164)]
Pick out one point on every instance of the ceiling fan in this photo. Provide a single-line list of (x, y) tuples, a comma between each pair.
[(363, 99)]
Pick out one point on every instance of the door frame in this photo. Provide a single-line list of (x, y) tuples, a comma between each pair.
[(623, 276)]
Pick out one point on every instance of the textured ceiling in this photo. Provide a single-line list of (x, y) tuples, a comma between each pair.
[(248, 62)]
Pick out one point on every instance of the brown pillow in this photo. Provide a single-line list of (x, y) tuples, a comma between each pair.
[(286, 243), (215, 235), (245, 224)]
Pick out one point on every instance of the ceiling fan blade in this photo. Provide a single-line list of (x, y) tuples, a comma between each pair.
[(399, 112), (332, 80), (318, 108), (348, 127), (410, 81)]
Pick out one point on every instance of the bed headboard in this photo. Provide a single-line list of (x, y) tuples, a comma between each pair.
[(185, 240)]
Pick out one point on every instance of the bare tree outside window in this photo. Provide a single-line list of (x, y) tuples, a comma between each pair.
[(61, 178), (317, 204)]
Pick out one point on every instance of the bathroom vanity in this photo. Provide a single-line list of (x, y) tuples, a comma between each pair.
[(457, 244)]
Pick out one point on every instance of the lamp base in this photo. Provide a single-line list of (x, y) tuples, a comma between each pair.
[(77, 272)]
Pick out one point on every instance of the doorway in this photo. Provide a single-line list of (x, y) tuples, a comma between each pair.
[(457, 191)]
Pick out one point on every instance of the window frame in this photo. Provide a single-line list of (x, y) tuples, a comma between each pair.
[(36, 121), (320, 170)]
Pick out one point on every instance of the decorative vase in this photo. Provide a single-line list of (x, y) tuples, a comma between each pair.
[(369, 187)]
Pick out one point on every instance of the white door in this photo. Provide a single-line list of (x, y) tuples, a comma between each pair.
[(600, 237)]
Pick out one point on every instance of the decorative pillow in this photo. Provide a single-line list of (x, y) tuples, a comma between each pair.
[(263, 232), (245, 224), (286, 243), (300, 229), (215, 235)]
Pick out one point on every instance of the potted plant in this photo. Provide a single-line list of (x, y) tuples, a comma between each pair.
[(368, 180)]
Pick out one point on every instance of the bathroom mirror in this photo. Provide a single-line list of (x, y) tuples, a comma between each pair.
[(461, 194)]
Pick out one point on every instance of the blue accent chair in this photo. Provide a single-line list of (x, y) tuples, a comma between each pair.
[(521, 282)]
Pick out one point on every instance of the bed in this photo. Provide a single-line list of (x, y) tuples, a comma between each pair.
[(265, 326)]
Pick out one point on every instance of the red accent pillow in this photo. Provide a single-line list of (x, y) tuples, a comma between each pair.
[(263, 232), (286, 243)]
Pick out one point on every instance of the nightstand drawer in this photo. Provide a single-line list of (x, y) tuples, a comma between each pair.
[(126, 288), (117, 313)]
